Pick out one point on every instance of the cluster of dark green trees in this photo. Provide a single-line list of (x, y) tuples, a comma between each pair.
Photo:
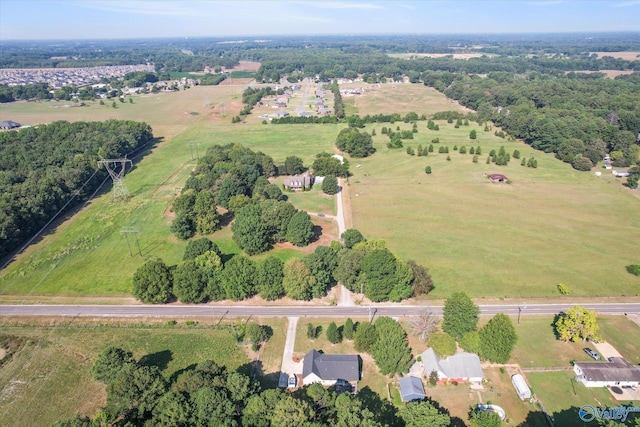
[(493, 342), (367, 266), (39, 91), (209, 394), (222, 174), (354, 142), (578, 119), (43, 168)]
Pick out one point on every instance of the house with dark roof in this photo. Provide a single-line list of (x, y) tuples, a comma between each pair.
[(298, 182), (327, 369), (617, 372), (497, 177), (411, 388), (9, 124), (461, 367)]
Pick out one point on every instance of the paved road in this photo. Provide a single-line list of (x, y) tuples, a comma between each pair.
[(287, 311)]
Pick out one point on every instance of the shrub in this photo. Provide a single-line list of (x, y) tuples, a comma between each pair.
[(475, 159), (634, 269), (563, 289), (473, 134), (443, 344), (463, 150), (427, 170), (330, 185)]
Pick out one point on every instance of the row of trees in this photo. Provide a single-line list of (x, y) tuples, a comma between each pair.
[(211, 394), (39, 91), (44, 168)]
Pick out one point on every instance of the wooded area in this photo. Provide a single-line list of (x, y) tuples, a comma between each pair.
[(42, 168)]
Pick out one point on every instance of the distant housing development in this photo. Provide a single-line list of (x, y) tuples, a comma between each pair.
[(59, 77)]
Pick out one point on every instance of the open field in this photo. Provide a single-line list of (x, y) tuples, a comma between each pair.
[(400, 98), (491, 240), (87, 255), (536, 333), (518, 239), (562, 397), (48, 378), (629, 56)]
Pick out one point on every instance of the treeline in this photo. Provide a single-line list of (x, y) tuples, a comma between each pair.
[(24, 92), (206, 274), (209, 394), (212, 79), (572, 117), (42, 168)]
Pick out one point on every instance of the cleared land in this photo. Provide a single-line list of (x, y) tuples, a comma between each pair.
[(518, 239), (47, 379), (500, 240), (629, 56)]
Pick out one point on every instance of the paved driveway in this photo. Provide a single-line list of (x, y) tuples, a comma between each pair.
[(606, 350)]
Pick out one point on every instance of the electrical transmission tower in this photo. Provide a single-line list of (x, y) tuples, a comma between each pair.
[(131, 230), (120, 190)]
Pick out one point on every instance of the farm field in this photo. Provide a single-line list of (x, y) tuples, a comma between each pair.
[(505, 240), (48, 378), (518, 239)]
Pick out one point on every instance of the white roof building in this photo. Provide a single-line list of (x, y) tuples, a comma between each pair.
[(461, 367)]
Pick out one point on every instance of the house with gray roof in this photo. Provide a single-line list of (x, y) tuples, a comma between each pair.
[(298, 182), (411, 388), (9, 124), (327, 369), (461, 367), (617, 372)]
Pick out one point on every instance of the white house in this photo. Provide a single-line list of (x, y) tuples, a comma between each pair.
[(617, 372), (411, 388), (461, 367), (327, 369)]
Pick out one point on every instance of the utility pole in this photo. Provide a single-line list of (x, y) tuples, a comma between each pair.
[(120, 190), (131, 230), (191, 145)]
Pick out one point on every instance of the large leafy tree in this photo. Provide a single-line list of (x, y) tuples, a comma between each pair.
[(198, 247), (269, 278), (354, 142), (350, 411), (173, 409), (333, 334), (422, 282), (238, 278), (365, 337), (300, 229), (577, 324), (277, 214), (322, 262), (189, 284), (135, 391), (298, 281), (352, 236), (497, 339), (153, 282), (258, 408), (460, 315), (330, 185), (378, 273), (443, 344), (250, 232), (485, 419), (348, 269), (210, 266), (391, 350), (325, 164), (423, 414), (290, 412), (212, 405), (109, 363)]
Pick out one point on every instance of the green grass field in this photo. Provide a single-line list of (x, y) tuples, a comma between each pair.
[(520, 239), (551, 225), (48, 378)]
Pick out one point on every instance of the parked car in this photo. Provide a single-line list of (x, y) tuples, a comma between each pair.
[(293, 381), (592, 353)]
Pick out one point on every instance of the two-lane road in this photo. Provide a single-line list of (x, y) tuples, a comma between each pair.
[(120, 311)]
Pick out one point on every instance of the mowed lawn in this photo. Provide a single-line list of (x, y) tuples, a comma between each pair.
[(48, 379), (550, 225)]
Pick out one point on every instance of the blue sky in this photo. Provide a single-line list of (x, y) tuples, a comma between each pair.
[(84, 19)]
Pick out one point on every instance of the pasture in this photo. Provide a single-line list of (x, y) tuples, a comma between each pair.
[(548, 226), (47, 379)]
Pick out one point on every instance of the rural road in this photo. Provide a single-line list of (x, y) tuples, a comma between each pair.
[(116, 311)]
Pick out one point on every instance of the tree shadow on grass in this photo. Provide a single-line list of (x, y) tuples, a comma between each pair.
[(160, 359), (384, 412)]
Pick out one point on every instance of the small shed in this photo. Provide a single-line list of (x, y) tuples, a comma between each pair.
[(519, 383), (497, 177), (411, 388)]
